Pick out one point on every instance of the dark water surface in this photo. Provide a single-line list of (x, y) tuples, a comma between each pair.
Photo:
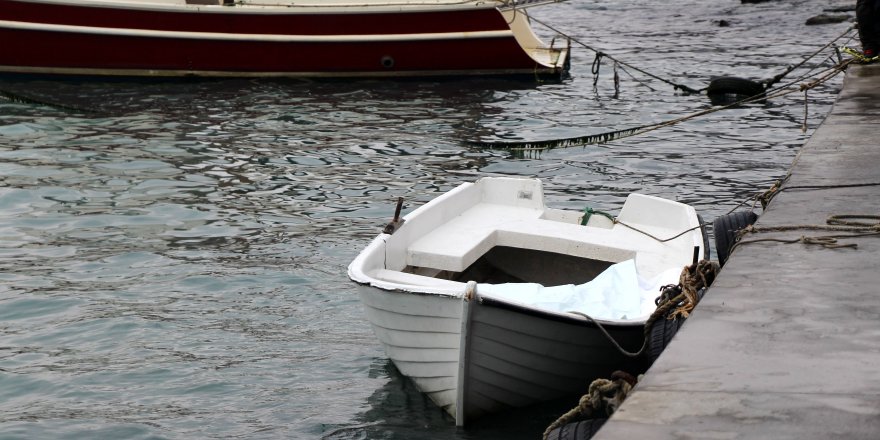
[(172, 264)]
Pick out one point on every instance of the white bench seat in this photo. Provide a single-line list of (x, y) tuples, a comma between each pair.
[(460, 242)]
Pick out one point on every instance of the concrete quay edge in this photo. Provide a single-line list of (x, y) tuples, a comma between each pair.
[(786, 343)]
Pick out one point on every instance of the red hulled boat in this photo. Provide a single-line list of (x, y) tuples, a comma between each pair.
[(273, 38)]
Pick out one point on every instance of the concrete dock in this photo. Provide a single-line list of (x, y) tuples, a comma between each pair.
[(786, 343)]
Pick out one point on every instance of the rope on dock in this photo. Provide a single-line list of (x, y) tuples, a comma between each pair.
[(765, 197), (834, 223)]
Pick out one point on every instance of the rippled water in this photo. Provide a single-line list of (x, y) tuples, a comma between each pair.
[(173, 256)]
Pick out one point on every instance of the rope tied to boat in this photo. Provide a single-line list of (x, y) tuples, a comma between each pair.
[(603, 398), (692, 280), (588, 212), (675, 300)]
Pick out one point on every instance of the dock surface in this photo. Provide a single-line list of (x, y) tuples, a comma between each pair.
[(786, 343)]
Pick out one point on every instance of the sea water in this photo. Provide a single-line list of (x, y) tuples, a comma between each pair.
[(173, 254)]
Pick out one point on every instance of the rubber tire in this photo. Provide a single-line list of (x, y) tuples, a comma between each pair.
[(725, 229), (661, 333), (736, 86), (580, 430)]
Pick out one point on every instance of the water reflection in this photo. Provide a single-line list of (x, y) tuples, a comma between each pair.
[(398, 410), (173, 254)]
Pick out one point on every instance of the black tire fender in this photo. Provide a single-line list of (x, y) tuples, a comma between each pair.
[(725, 229), (729, 89), (661, 333), (580, 430)]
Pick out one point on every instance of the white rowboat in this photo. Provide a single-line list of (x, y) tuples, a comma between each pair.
[(437, 291)]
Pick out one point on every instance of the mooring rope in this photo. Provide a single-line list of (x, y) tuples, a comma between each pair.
[(834, 223), (589, 212), (603, 398), (767, 196), (605, 137), (675, 300), (601, 53), (20, 99), (779, 77), (601, 138), (694, 278)]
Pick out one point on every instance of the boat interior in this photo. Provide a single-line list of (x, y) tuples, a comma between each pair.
[(505, 264)]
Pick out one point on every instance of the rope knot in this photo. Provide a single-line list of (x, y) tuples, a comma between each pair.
[(603, 398), (681, 298), (588, 212)]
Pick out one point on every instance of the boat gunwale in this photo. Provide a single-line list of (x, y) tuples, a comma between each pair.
[(280, 9), (268, 38), (567, 318), (367, 279)]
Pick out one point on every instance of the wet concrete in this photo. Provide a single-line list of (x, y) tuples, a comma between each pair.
[(786, 344)]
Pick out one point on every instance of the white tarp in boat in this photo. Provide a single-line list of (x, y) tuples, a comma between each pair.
[(617, 293)]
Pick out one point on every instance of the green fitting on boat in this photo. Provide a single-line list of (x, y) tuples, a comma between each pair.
[(588, 212)]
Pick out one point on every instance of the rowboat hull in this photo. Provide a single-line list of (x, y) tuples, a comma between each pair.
[(420, 334), (515, 356), (443, 323), (165, 38)]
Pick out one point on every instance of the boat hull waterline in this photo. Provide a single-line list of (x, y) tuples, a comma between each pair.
[(474, 352), (165, 38)]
